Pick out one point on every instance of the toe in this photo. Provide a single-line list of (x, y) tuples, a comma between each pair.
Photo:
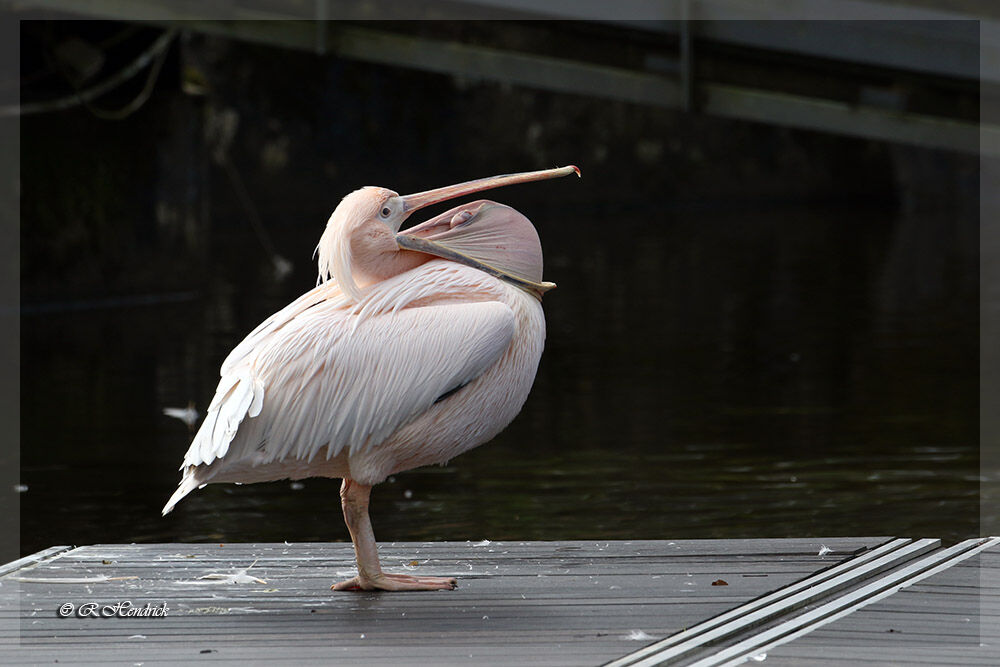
[(349, 585), (397, 582)]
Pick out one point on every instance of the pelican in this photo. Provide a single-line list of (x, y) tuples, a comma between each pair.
[(414, 347)]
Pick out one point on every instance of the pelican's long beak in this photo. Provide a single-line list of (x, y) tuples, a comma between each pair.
[(421, 199), (485, 235)]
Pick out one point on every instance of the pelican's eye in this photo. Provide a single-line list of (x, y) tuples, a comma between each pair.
[(390, 209)]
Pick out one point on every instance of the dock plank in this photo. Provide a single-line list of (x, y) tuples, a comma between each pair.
[(538, 602), (952, 617)]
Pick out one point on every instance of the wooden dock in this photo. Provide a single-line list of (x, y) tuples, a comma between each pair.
[(705, 602)]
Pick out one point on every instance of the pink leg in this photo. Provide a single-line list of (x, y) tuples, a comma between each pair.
[(354, 499)]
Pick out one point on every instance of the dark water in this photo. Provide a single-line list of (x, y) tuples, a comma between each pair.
[(801, 371)]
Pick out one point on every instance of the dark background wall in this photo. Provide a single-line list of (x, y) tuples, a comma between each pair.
[(106, 200), (757, 331)]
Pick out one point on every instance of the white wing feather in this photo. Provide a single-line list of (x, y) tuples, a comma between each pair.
[(318, 378), (325, 293)]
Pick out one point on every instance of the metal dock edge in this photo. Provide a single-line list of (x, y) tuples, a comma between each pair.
[(903, 561)]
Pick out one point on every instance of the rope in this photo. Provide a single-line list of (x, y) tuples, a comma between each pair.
[(78, 98)]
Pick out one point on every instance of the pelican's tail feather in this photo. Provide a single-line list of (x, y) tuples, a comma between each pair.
[(189, 482)]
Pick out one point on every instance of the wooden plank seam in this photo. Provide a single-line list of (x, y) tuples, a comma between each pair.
[(563, 616), (847, 604), (782, 601), (33, 559)]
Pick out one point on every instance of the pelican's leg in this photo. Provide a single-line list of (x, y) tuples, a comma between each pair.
[(354, 499)]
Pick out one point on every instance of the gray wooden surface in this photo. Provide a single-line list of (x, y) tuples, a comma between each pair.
[(747, 630), (573, 603), (951, 618)]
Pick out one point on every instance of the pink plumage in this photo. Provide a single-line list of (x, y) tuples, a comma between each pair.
[(414, 347)]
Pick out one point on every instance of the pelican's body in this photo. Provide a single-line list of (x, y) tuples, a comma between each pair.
[(398, 360), (355, 394)]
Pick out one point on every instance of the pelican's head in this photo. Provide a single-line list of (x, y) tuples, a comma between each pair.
[(362, 243)]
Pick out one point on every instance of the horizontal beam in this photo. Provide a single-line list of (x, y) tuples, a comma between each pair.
[(851, 120), (488, 64), (575, 77), (868, 32), (644, 88)]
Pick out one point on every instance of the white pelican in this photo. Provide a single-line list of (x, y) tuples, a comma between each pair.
[(414, 347)]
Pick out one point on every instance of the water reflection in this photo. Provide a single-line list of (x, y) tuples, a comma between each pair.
[(707, 374)]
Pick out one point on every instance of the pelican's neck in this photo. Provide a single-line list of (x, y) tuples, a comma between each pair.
[(357, 257), (334, 259)]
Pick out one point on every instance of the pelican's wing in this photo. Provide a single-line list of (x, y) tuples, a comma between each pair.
[(325, 380), (328, 293), (240, 392)]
